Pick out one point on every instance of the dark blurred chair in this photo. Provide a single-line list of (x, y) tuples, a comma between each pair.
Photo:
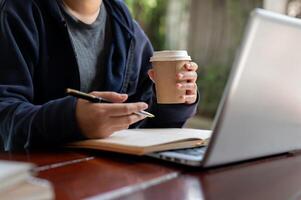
[(1, 142)]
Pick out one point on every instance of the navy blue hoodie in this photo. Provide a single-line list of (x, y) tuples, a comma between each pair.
[(38, 63)]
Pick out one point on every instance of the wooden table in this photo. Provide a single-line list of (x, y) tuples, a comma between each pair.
[(99, 175), (267, 179)]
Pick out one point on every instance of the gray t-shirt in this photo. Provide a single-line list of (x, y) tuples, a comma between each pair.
[(89, 41)]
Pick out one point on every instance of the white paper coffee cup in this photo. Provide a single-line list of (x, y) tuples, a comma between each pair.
[(166, 65)]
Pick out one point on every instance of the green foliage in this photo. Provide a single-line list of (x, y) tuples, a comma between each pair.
[(146, 4), (151, 15), (211, 84)]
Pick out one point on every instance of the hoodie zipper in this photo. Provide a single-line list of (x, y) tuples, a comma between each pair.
[(129, 63), (74, 53)]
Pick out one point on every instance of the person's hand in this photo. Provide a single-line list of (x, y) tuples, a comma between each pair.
[(188, 78), (97, 120)]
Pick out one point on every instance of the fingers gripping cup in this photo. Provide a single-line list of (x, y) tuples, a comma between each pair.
[(166, 65)]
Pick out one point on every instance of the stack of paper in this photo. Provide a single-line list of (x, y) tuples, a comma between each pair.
[(16, 182)]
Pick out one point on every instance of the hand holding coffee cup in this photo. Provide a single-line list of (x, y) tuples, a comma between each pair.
[(175, 77)]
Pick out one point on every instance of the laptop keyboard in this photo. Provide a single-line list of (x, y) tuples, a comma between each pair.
[(197, 151), (191, 156)]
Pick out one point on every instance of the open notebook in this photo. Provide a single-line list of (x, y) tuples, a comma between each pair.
[(12, 173), (16, 182), (145, 141), (30, 189)]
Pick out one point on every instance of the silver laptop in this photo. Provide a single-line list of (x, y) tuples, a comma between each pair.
[(260, 113)]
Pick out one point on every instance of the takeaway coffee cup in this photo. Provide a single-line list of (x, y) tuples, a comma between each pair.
[(166, 65)]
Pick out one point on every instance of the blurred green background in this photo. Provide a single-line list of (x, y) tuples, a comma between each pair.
[(211, 31)]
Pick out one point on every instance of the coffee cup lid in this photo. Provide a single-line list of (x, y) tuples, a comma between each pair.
[(170, 56)]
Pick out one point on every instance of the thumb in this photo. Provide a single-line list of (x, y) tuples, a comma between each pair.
[(111, 96), (151, 74)]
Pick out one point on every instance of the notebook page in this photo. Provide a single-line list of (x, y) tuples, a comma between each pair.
[(151, 137)]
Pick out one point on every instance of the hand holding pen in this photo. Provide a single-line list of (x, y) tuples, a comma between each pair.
[(96, 99), (107, 114)]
